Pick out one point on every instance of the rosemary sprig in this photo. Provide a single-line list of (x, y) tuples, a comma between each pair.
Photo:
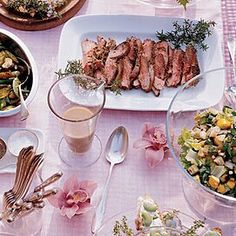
[(188, 33), (72, 67), (122, 228), (192, 231), (115, 86)]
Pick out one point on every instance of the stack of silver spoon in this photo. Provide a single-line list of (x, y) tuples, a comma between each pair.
[(17, 202)]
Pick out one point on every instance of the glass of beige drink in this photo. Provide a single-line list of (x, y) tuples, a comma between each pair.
[(77, 101)]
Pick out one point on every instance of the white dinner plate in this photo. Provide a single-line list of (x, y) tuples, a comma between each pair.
[(120, 27)]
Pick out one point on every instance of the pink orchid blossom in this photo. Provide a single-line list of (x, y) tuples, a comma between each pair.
[(154, 142), (74, 198)]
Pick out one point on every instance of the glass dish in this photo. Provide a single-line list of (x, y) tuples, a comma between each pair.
[(166, 3), (204, 201), (187, 222), (30, 224), (21, 139)]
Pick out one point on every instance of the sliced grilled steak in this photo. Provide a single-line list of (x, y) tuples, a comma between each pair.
[(162, 47), (127, 69), (110, 69), (148, 49), (157, 86), (177, 68), (136, 68), (191, 67), (120, 51)]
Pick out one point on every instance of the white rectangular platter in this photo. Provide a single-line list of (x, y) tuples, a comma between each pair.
[(8, 162), (120, 27)]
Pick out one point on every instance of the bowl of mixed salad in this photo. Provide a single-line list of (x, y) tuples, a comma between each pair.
[(202, 140), (17, 66)]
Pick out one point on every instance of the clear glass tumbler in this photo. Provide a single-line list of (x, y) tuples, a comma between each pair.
[(77, 101)]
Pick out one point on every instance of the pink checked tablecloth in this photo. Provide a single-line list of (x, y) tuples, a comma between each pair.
[(133, 178)]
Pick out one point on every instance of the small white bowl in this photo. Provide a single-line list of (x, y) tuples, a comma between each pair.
[(28, 56)]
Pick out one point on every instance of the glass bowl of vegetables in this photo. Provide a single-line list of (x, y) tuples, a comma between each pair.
[(17, 66), (201, 134)]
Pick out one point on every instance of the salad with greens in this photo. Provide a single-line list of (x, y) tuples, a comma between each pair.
[(208, 150)]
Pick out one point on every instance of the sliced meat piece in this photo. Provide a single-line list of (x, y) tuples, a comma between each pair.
[(136, 83), (191, 67), (148, 45), (101, 41), (170, 63), (99, 75), (162, 47), (120, 51), (157, 86), (127, 69), (159, 66), (177, 68), (87, 45), (136, 68), (110, 69), (144, 75), (111, 44), (133, 49)]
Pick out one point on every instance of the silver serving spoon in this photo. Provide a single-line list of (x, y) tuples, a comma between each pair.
[(116, 149), (24, 109), (231, 90)]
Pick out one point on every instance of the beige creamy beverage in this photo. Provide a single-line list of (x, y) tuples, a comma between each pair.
[(78, 135)]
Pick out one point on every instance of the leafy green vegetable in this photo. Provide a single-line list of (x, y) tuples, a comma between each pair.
[(188, 33)]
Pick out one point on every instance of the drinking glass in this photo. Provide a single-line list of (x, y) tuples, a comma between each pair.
[(77, 101)]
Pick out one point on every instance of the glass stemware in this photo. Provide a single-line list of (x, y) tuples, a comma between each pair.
[(77, 102)]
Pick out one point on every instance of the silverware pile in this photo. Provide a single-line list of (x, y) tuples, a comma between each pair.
[(17, 202)]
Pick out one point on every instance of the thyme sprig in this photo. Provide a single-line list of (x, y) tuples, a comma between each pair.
[(72, 67), (188, 33), (122, 228), (75, 67)]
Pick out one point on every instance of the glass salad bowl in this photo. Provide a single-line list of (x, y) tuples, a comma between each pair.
[(124, 224), (201, 137)]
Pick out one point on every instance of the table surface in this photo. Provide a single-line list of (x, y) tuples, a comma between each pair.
[(133, 178)]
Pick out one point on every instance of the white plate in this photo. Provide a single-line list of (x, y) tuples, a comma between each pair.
[(8, 162), (120, 27)]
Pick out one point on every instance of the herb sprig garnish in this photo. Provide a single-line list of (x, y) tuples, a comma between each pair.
[(75, 67), (122, 228), (72, 67), (183, 3), (188, 33)]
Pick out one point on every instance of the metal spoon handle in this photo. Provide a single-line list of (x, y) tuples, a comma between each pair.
[(232, 49), (24, 109), (100, 210)]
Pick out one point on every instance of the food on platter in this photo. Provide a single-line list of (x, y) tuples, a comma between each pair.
[(13, 71), (147, 64), (150, 220), (35, 8), (208, 150)]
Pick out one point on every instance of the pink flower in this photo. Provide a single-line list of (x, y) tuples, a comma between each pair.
[(154, 142), (74, 198)]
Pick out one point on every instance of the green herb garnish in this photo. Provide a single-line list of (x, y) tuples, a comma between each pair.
[(183, 3), (188, 33), (122, 228), (72, 67)]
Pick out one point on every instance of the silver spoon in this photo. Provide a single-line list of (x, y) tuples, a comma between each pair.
[(24, 109), (116, 149), (231, 90)]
